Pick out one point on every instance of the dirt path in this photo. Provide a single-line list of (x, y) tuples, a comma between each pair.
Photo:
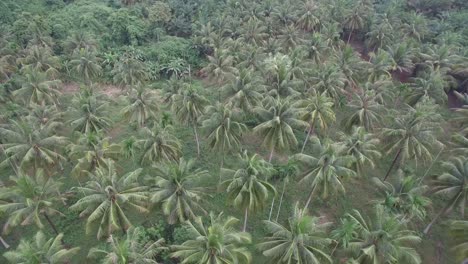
[(107, 89)]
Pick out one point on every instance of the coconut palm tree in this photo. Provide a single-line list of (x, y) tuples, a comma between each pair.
[(352, 66), (36, 88), (173, 87), (131, 249), (381, 33), (129, 71), (220, 66), (246, 187), (330, 80), (189, 107), (284, 172), (459, 232), (85, 65), (316, 48), (410, 137), (224, 129), (41, 250), (40, 59), (402, 55), (244, 91), (176, 188), (279, 117), (356, 19), (30, 200), (302, 240), (141, 105), (326, 171), (453, 184), (279, 76), (406, 197), (80, 40), (29, 146), (307, 15), (253, 32), (290, 37), (365, 111), (89, 112), (46, 116), (317, 111), (380, 66), (429, 85), (219, 242), (382, 239), (362, 146), (159, 144), (108, 197)]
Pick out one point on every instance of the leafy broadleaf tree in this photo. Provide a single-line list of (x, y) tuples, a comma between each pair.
[(30, 200), (176, 187), (246, 187), (39, 249), (107, 198), (217, 242), (131, 249), (302, 240)]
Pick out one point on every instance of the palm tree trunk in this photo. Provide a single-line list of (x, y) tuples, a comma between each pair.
[(429, 226), (271, 208), (280, 201), (393, 164), (246, 215), (197, 140), (309, 132), (350, 34), (51, 223), (4, 243), (271, 154), (309, 199)]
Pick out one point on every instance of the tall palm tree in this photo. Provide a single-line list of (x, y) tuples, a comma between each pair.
[(108, 197), (36, 88), (279, 118), (362, 146), (326, 171), (189, 107), (85, 65), (410, 137), (402, 55), (453, 184), (383, 239), (404, 197), (89, 112), (330, 80), (302, 240), (243, 91), (224, 129), (130, 249), (380, 66), (219, 242), (46, 117), (220, 66), (28, 146), (29, 200), (41, 250), (459, 232), (365, 110), (176, 187), (308, 18), (355, 20), (159, 144), (352, 66), (430, 85), (316, 48), (40, 59), (253, 32), (141, 105), (279, 76), (317, 111), (129, 71), (246, 187)]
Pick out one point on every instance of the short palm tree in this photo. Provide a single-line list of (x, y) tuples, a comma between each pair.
[(308, 13), (363, 147), (41, 250), (325, 171), (382, 239), (40, 59), (220, 66), (243, 91), (302, 240), (246, 187), (29, 200), (37, 88), (365, 111), (159, 144), (108, 197), (85, 65), (219, 242), (453, 184), (141, 105), (80, 40), (430, 85), (224, 129), (317, 111), (189, 106), (176, 188), (380, 66), (402, 56), (330, 80), (28, 146), (279, 118), (459, 231), (279, 76), (130, 249), (129, 71)]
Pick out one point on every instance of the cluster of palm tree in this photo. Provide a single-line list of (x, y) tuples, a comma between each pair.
[(286, 74)]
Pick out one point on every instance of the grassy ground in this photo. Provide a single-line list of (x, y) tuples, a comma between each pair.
[(360, 195)]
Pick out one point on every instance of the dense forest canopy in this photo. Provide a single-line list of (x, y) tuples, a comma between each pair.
[(234, 132)]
